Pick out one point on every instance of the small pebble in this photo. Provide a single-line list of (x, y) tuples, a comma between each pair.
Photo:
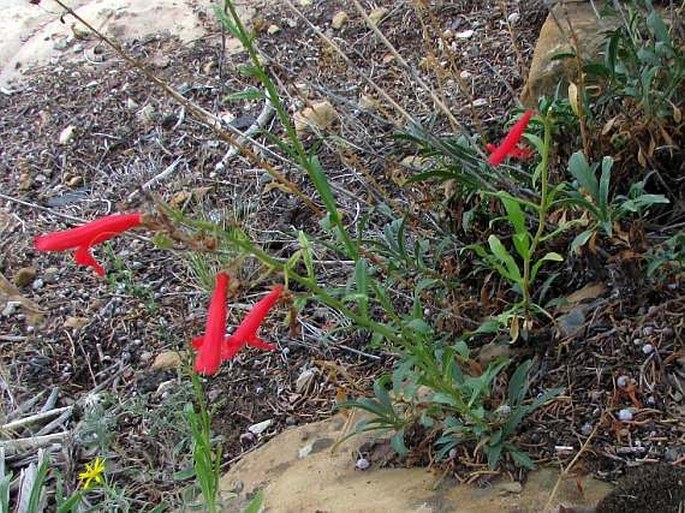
[(647, 331), (648, 349), (625, 415), (513, 18), (37, 284), (586, 429), (362, 464), (637, 341), (503, 411), (622, 381), (247, 438)]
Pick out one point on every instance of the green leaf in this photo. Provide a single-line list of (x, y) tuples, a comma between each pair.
[(226, 22), (397, 443), (442, 398), (514, 213), (549, 257), (361, 274), (306, 253), (518, 386), (247, 94), (493, 454), (318, 176), (420, 326), (520, 457), (536, 141), (501, 253), (522, 244), (581, 171), (187, 473), (563, 55), (581, 239), (255, 505), (604, 181), (657, 27)]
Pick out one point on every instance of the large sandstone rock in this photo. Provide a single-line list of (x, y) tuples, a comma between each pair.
[(298, 472), (566, 19)]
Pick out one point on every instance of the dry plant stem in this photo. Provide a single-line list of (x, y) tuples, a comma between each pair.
[(455, 66), (13, 447), (502, 179), (564, 472), (200, 114), (411, 70), (407, 117), (40, 207), (431, 60), (514, 43), (26, 421)]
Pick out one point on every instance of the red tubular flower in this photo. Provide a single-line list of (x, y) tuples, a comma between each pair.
[(84, 237), (509, 147), (246, 333), (209, 354), (518, 152)]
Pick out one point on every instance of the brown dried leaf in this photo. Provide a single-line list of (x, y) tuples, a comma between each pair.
[(589, 291)]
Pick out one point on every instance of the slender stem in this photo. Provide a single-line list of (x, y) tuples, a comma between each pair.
[(301, 155), (542, 211), (248, 247)]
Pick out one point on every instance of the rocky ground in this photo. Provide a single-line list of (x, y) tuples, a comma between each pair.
[(80, 139)]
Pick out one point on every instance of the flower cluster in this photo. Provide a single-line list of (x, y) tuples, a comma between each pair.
[(214, 346)]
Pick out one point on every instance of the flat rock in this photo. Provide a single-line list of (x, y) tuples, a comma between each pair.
[(299, 471), (32, 35), (555, 38)]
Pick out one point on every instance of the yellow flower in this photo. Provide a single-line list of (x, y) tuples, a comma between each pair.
[(92, 473)]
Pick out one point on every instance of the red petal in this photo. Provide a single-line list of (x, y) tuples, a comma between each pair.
[(230, 349), (260, 344), (82, 256), (209, 353), (248, 328), (89, 234)]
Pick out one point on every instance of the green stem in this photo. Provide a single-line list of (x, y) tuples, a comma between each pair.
[(272, 93), (542, 211), (250, 248)]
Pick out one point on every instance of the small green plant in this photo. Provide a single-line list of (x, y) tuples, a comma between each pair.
[(667, 259), (457, 405), (521, 268), (593, 196), (641, 63), (206, 457)]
